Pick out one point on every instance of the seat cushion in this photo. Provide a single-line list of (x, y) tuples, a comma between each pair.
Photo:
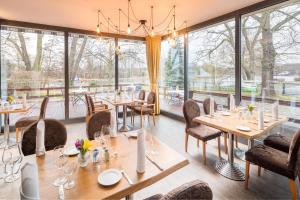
[(270, 159), (204, 133), (145, 110), (26, 121), (278, 141)]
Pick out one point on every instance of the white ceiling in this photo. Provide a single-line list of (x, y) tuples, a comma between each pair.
[(82, 14)]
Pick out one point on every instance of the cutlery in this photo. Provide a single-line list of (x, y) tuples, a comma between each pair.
[(154, 163), (126, 177)]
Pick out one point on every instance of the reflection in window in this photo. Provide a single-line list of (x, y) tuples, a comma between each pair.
[(211, 62), (32, 64), (270, 57), (91, 70)]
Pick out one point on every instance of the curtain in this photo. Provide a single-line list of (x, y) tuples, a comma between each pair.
[(153, 63)]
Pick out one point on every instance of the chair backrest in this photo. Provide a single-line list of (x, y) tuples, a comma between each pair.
[(192, 190), (55, 135), (142, 95), (95, 123), (44, 107), (206, 106), (190, 110), (88, 105), (92, 105), (151, 98), (294, 153)]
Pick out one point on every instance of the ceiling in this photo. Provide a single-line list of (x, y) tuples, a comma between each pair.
[(82, 14)]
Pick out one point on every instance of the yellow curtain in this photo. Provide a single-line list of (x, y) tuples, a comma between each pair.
[(153, 63)]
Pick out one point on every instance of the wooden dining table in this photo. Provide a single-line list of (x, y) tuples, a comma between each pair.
[(228, 124), (87, 186)]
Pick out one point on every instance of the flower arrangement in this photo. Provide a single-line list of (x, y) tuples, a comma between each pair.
[(83, 146), (10, 99), (250, 108)]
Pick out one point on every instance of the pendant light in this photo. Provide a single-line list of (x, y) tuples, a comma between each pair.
[(98, 24), (128, 28), (118, 48), (152, 27), (174, 27)]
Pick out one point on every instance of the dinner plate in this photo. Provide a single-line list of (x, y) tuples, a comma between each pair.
[(243, 128), (71, 151), (226, 113), (109, 177)]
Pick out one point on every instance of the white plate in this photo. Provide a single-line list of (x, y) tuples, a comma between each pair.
[(266, 120), (226, 113), (71, 151), (243, 128), (109, 177)]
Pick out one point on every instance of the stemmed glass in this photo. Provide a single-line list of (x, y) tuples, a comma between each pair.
[(6, 157), (14, 159), (69, 169), (60, 161), (97, 137)]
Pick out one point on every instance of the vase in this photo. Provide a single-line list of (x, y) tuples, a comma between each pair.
[(83, 159)]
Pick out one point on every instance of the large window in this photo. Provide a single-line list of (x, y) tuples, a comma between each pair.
[(32, 64), (171, 82), (91, 70), (211, 62), (270, 57), (133, 70)]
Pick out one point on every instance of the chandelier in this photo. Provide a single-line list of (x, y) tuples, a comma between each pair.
[(134, 24)]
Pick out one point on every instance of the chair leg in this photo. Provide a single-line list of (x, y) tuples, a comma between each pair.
[(153, 116), (17, 135), (225, 143), (247, 169), (259, 170), (293, 189), (236, 142), (186, 141), (204, 152), (141, 120), (131, 118), (219, 147)]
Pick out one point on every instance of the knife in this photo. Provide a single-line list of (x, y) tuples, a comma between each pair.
[(154, 163)]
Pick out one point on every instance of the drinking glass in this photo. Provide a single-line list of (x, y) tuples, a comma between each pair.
[(220, 108), (152, 144), (97, 137), (69, 169), (60, 160), (15, 159), (6, 157)]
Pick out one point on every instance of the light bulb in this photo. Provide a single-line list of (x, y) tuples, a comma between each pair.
[(174, 33), (172, 43), (152, 33), (98, 29), (128, 29)]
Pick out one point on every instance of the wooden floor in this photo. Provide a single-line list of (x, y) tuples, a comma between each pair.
[(171, 132)]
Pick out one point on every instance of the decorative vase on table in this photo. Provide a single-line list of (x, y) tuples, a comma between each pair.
[(83, 147), (83, 159)]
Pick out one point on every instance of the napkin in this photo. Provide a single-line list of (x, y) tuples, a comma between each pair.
[(231, 102), (211, 106), (29, 182), (40, 138), (24, 101), (113, 123), (275, 110), (141, 152), (261, 119)]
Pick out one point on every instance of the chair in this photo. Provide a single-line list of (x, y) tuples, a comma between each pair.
[(55, 135), (279, 142), (190, 191), (198, 131), (206, 108), (148, 108), (285, 164), (141, 97), (26, 121), (93, 107), (95, 123)]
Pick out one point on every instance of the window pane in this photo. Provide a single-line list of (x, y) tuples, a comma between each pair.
[(91, 70), (32, 64), (171, 81), (270, 57), (211, 62), (132, 65)]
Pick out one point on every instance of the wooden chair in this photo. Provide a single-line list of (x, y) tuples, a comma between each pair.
[(55, 135), (96, 122), (26, 121), (147, 108), (141, 98), (190, 191), (93, 107), (285, 164), (198, 131)]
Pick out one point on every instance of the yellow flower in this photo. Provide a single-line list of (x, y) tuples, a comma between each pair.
[(86, 144)]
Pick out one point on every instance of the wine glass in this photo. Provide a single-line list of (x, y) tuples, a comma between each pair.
[(15, 158), (69, 169), (60, 160), (6, 157), (220, 108), (97, 137)]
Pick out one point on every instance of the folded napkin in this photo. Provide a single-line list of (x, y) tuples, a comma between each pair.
[(113, 123), (261, 119), (24, 101), (275, 110), (141, 152), (211, 105), (29, 189), (231, 102), (40, 138)]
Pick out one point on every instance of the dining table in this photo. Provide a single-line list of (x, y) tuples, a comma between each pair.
[(6, 111), (159, 165), (229, 123)]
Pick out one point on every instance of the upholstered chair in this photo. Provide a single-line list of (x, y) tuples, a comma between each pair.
[(190, 191), (93, 107), (148, 108), (198, 131), (96, 122), (55, 135), (138, 103), (26, 121), (279, 142), (285, 164)]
